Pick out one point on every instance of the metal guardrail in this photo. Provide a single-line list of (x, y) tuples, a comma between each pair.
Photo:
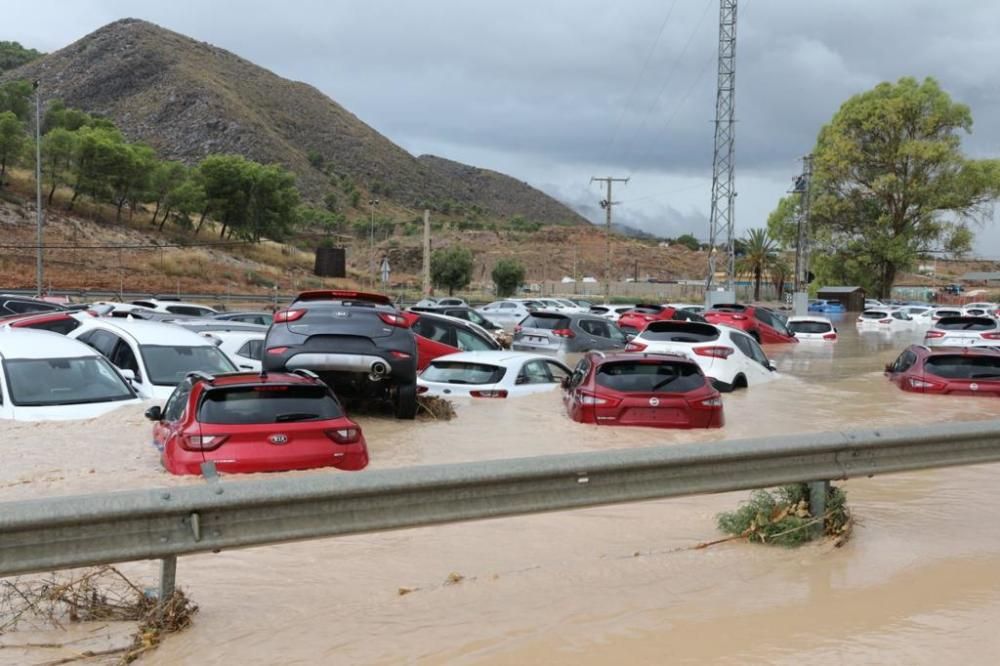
[(109, 294), (63, 532)]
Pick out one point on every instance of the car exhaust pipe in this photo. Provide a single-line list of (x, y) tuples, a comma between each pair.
[(378, 370)]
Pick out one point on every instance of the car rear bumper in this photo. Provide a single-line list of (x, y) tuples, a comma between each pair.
[(326, 361), (268, 458)]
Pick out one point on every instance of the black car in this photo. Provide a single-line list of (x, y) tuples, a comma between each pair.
[(358, 343), (15, 305), (461, 312)]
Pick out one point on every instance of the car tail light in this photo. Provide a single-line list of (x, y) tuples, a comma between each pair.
[(285, 316), (277, 350), (991, 336), (649, 318), (564, 333), (922, 383), (393, 319), (933, 334), (348, 435), (714, 352), (829, 336), (399, 354), (203, 442), (635, 346), (595, 401), (492, 393), (885, 321), (711, 402), (423, 389), (739, 317)]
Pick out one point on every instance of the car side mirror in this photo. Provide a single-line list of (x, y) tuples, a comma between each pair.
[(129, 375), (154, 413), (564, 382), (772, 366)]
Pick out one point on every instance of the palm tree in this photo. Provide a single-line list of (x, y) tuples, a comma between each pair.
[(758, 255)]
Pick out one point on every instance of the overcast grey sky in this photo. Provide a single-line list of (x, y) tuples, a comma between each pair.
[(553, 92)]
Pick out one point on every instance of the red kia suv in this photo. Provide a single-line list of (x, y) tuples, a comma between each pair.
[(638, 318), (653, 390), (954, 370), (249, 422), (765, 326)]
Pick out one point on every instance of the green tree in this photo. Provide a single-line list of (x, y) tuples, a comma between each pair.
[(508, 275), (12, 55), (128, 169), (688, 241), (451, 268), (273, 204), (891, 182), (57, 115), (186, 200), (227, 182), (12, 141), (95, 157), (757, 258), (331, 202), (316, 159), (15, 96), (165, 178), (58, 147)]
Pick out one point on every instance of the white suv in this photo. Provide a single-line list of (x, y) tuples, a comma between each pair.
[(963, 332), (176, 307), (508, 313), (729, 357)]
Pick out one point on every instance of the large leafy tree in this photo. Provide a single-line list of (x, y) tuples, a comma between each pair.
[(12, 55), (891, 183), (508, 274), (758, 256), (15, 96), (58, 147), (451, 268)]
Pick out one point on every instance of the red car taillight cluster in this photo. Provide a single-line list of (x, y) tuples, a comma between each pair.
[(590, 399), (285, 316), (635, 346), (563, 333), (933, 334), (829, 336), (344, 435), (493, 393), (990, 336), (393, 319), (203, 442), (924, 384), (714, 352)]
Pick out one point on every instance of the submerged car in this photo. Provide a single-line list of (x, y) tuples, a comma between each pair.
[(820, 305), (812, 327), (763, 325), (963, 332), (947, 370), (639, 317), (885, 319), (491, 374), (45, 376), (249, 422), (730, 358), (154, 356), (440, 335), (563, 333), (653, 390)]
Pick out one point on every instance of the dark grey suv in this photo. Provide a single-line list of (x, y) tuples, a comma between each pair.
[(358, 343), (566, 332)]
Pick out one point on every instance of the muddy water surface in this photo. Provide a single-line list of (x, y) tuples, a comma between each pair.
[(918, 583)]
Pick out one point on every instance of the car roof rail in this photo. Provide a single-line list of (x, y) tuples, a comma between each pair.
[(204, 376)]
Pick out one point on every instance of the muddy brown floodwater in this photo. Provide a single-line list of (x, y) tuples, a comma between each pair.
[(918, 583)]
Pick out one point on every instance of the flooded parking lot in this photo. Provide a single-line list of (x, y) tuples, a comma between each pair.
[(919, 582)]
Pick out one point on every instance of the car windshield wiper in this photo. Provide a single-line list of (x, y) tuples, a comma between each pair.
[(295, 416), (663, 383)]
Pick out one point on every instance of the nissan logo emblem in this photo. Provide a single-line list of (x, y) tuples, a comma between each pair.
[(654, 402), (278, 439), (974, 386)]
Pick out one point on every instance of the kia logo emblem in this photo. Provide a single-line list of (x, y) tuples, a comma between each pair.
[(278, 439), (654, 402)]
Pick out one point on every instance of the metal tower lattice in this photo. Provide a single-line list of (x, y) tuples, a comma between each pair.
[(722, 214)]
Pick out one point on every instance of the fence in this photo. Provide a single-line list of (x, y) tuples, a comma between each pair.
[(64, 532)]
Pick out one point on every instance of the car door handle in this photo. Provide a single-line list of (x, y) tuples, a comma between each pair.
[(246, 367)]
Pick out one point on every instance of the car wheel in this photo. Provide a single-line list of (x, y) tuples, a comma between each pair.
[(406, 401), (740, 382), (721, 386)]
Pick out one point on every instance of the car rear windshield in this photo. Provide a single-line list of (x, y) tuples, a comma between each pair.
[(809, 327), (64, 381), (723, 307), (167, 365), (650, 376), (268, 403), (678, 331), (459, 372), (948, 313), (189, 310), (962, 366), (874, 314), (966, 324), (647, 309), (550, 322)]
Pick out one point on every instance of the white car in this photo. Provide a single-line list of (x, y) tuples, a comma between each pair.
[(46, 376), (964, 332), (980, 309), (946, 311), (611, 312), (872, 303), (158, 355), (176, 307), (507, 313), (729, 357), (810, 327), (243, 348), (491, 374), (885, 319)]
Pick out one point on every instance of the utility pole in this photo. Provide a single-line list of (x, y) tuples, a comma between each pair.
[(802, 183), (39, 269), (372, 203), (606, 204), (427, 253), (722, 217)]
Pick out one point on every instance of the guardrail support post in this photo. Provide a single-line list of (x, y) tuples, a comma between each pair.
[(818, 492), (168, 577)]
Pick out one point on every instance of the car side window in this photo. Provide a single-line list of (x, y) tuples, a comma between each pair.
[(252, 349), (557, 371), (174, 409), (534, 372), (756, 353), (579, 373), (904, 362), (589, 326), (102, 341), (467, 341), (124, 358)]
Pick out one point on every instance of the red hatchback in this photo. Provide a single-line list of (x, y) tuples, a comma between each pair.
[(765, 326), (638, 318), (653, 390), (248, 422), (948, 370)]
